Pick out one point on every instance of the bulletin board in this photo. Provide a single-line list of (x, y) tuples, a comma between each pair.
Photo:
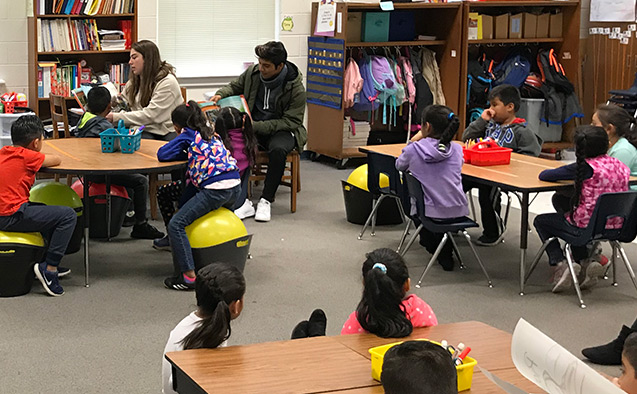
[(325, 68), (612, 11)]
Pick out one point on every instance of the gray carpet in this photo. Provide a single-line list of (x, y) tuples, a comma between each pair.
[(110, 337)]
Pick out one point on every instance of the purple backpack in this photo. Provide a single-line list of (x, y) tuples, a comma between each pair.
[(379, 86)]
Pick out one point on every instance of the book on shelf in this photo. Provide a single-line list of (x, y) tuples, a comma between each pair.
[(58, 35), (85, 7), (112, 40)]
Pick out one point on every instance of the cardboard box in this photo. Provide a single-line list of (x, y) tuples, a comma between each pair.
[(530, 26), (542, 30), (354, 26), (516, 26), (375, 27), (487, 27), (474, 26), (501, 23), (555, 26)]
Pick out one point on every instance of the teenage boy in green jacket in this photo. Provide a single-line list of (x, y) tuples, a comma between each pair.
[(276, 98)]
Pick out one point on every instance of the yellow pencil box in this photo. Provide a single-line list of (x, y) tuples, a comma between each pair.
[(465, 370)]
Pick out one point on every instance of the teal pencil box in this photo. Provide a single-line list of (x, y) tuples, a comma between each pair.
[(375, 27)]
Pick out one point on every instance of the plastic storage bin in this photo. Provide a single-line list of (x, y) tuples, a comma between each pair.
[(119, 138), (375, 27), (9, 106), (531, 110), (18, 253), (487, 153), (6, 120), (465, 371), (98, 225)]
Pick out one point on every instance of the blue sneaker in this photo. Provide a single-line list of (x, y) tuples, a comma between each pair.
[(63, 271), (49, 280), (162, 244)]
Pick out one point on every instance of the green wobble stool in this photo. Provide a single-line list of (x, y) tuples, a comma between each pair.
[(218, 237), (18, 253), (56, 193)]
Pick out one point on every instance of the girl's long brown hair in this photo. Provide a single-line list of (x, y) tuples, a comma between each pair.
[(154, 71)]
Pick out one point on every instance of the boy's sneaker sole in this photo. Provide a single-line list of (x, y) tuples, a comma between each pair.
[(63, 271), (594, 271), (45, 282), (487, 241)]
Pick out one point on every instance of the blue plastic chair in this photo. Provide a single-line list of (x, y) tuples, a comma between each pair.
[(609, 205), (448, 227)]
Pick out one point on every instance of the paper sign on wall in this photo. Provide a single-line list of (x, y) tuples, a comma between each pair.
[(612, 11), (326, 18)]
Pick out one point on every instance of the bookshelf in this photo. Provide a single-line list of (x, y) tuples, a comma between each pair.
[(97, 60)]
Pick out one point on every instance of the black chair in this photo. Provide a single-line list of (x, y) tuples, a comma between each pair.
[(448, 227), (382, 164), (609, 205)]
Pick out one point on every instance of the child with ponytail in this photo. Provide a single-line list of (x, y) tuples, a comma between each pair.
[(622, 134), (385, 309), (215, 179), (436, 162), (219, 291), (594, 173)]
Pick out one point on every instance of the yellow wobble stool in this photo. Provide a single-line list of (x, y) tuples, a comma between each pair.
[(218, 237), (18, 253)]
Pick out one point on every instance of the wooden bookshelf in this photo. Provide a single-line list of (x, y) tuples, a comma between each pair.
[(98, 60), (516, 41), (396, 43)]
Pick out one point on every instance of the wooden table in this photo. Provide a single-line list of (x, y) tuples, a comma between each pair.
[(83, 156), (519, 177), (331, 364)]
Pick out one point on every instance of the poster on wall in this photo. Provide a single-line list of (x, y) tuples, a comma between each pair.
[(612, 11)]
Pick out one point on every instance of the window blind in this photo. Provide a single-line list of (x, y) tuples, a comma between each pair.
[(203, 38)]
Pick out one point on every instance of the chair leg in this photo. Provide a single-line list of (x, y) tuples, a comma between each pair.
[(472, 205), (536, 260), (370, 217), (411, 240), (297, 166), (404, 236), (294, 168), (456, 251), (401, 209), (626, 263), (433, 258), (570, 262), (375, 214), (152, 195), (613, 260), (69, 180), (475, 253)]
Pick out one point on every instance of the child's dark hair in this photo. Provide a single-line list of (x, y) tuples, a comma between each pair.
[(98, 99), (272, 51), (507, 94), (419, 367), (590, 141), (230, 118), (180, 115), (380, 310), (26, 129), (217, 286), (444, 124), (196, 120), (630, 351), (620, 118)]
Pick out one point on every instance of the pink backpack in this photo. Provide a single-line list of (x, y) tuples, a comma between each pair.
[(408, 73), (353, 84)]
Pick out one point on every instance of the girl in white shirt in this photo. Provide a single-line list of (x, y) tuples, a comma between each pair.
[(219, 290)]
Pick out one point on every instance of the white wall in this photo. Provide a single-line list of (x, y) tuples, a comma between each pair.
[(13, 44)]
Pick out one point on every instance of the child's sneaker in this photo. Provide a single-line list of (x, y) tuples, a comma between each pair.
[(63, 271), (162, 244), (485, 240), (246, 210), (146, 231), (263, 211), (562, 279), (178, 283), (49, 279)]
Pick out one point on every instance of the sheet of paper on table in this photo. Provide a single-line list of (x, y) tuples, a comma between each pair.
[(551, 367)]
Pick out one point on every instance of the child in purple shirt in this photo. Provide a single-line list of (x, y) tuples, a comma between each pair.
[(436, 162)]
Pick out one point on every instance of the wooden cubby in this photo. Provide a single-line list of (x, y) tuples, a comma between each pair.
[(95, 59), (443, 20), (567, 47)]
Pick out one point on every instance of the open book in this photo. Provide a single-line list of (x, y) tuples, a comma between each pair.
[(81, 94), (551, 367), (211, 109)]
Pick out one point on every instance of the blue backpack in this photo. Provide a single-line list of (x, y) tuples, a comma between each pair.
[(368, 95), (379, 86), (513, 70)]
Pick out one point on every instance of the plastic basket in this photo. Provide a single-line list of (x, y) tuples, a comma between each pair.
[(9, 106), (464, 371), (115, 139), (487, 153)]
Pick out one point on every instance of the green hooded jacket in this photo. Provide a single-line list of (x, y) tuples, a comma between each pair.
[(290, 105)]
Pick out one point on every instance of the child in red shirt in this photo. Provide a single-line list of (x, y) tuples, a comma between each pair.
[(19, 164)]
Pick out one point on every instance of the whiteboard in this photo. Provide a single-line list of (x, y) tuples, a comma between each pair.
[(612, 11)]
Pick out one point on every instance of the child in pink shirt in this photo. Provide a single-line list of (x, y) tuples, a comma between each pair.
[(385, 309)]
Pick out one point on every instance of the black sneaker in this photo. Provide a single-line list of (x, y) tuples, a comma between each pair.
[(300, 331), (610, 353), (317, 324), (49, 279), (485, 240), (146, 231), (63, 271), (178, 283)]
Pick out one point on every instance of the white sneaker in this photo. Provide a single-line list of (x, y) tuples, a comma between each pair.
[(562, 279), (263, 211), (245, 211)]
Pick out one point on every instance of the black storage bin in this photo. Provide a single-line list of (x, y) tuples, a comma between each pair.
[(16, 267), (358, 206)]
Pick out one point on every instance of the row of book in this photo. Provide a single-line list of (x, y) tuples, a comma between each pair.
[(55, 35), (85, 7), (62, 80)]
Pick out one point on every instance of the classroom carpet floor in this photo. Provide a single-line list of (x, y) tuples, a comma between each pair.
[(110, 337)]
